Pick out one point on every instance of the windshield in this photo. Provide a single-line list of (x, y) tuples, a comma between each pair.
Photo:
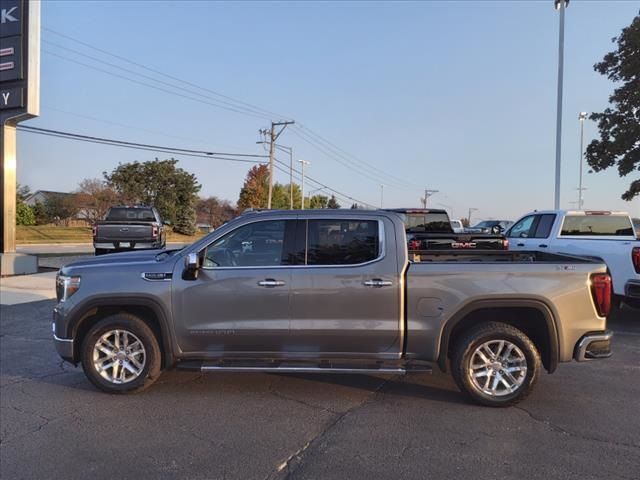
[(486, 224)]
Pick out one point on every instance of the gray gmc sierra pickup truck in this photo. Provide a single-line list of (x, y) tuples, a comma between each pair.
[(331, 291)]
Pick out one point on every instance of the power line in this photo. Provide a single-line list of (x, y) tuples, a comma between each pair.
[(89, 137), (349, 157), (234, 105), (145, 67), (165, 90), (139, 146), (301, 135), (324, 186), (230, 106)]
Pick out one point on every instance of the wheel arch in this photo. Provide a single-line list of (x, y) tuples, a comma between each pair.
[(534, 317), (147, 309)]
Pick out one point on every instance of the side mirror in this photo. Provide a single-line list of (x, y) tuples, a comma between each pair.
[(166, 222), (190, 267), (497, 229)]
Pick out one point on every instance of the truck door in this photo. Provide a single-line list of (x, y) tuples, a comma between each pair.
[(532, 233), (345, 297), (240, 300), (521, 232)]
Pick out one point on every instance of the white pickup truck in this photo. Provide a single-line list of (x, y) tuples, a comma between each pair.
[(605, 235)]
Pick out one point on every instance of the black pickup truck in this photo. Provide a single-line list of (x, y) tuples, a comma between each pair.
[(129, 228), (430, 229)]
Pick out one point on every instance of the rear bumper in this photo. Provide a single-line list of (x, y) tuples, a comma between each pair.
[(131, 245), (593, 346), (632, 289)]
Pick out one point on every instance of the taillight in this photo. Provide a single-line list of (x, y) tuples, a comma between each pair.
[(94, 231), (505, 244), (601, 292), (154, 231), (635, 258)]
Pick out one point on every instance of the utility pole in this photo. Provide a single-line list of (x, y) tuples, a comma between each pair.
[(582, 117), (303, 162), (381, 196), (427, 194), (469, 217), (291, 178), (559, 5), (273, 136)]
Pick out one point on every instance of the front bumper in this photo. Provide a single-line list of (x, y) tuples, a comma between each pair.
[(64, 347), (593, 346)]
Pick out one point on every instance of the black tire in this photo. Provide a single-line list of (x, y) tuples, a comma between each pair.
[(466, 348), (100, 251), (134, 326)]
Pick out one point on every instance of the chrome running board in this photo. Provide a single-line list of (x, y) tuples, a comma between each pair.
[(301, 367)]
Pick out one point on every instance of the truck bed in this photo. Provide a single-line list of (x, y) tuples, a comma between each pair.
[(492, 256), (440, 284)]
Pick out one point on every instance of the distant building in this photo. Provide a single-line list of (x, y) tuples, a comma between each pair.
[(41, 196)]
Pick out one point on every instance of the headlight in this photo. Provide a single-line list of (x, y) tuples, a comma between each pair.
[(66, 286)]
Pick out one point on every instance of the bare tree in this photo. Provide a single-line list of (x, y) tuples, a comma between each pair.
[(94, 198)]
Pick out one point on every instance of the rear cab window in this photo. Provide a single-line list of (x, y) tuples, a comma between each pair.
[(133, 214), (596, 225), (432, 222)]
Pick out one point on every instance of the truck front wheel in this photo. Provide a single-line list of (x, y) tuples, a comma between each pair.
[(495, 364), (120, 354)]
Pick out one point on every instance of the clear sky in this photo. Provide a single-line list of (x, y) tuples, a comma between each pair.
[(454, 96)]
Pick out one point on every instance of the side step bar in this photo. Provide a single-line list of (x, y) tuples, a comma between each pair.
[(284, 369), (205, 367)]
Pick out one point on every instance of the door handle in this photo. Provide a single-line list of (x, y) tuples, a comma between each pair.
[(377, 282), (520, 244), (543, 245), (270, 282)]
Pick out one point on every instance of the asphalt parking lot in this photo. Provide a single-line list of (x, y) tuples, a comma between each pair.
[(582, 422)]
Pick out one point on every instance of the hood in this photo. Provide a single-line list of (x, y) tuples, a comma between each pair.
[(123, 258)]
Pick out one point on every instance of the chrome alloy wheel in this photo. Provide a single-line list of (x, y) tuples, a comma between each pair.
[(119, 356), (497, 368)]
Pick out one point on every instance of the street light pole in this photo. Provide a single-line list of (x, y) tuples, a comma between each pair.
[(303, 162), (559, 5), (469, 217), (582, 117)]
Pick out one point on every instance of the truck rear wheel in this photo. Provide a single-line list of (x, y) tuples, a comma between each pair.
[(120, 354), (495, 364)]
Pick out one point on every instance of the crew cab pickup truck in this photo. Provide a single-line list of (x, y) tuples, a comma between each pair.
[(431, 229), (604, 235), (331, 291), (129, 228)]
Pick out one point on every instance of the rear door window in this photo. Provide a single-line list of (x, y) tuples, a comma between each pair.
[(596, 225), (342, 242), (545, 223)]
